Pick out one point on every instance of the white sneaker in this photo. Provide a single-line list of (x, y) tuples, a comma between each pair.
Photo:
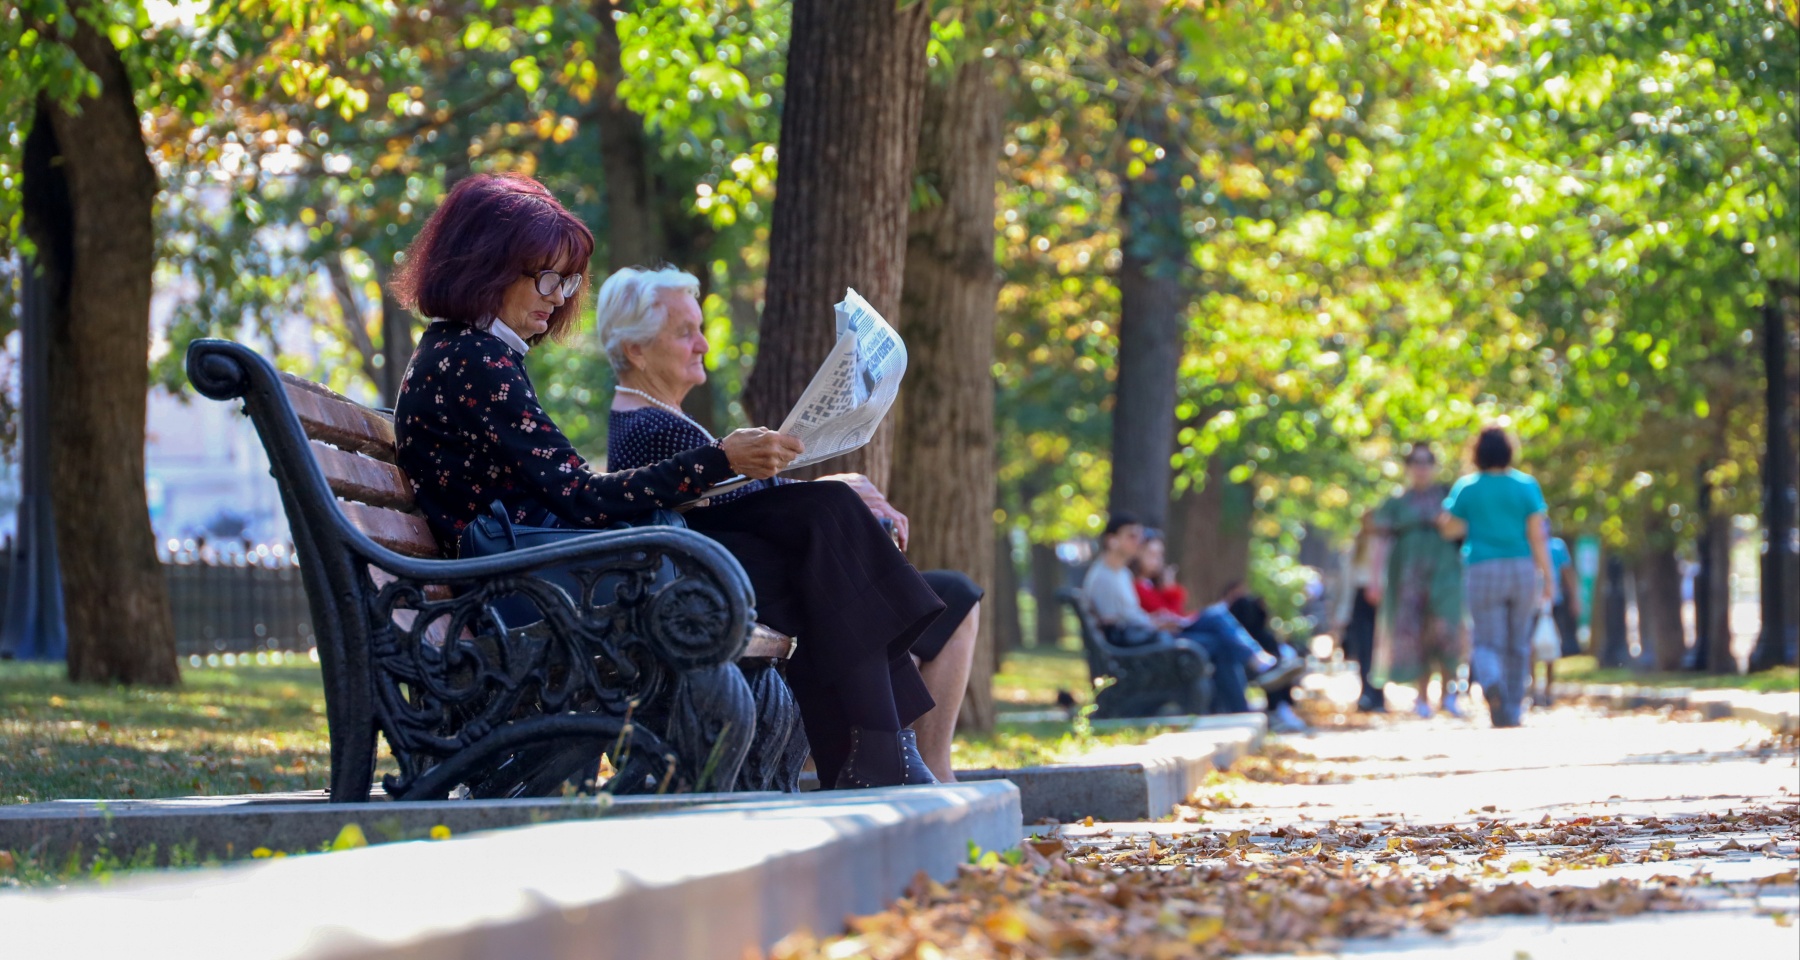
[(1423, 708), (1283, 719), (1453, 706)]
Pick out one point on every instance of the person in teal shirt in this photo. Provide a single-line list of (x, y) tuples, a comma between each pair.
[(1499, 513)]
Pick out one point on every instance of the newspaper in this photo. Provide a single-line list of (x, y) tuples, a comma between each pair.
[(847, 399)]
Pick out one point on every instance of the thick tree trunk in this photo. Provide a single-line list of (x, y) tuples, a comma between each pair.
[(1152, 307), (943, 470), (1046, 579), (1209, 535), (849, 129), (1658, 581), (1776, 643), (1712, 594), (99, 248), (634, 231), (1004, 597)]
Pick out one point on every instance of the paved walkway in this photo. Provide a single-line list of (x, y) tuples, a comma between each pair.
[(1571, 782)]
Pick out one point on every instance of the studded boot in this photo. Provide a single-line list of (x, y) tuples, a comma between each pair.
[(916, 772), (875, 760)]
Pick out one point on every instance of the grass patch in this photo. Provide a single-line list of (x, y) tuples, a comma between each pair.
[(223, 731), (1015, 745), (1584, 669), (1029, 679)]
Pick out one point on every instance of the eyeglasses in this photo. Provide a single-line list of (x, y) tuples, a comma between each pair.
[(550, 282)]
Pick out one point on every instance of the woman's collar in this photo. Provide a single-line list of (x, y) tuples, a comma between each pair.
[(507, 336)]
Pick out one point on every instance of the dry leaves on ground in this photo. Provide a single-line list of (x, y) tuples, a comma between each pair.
[(1215, 893)]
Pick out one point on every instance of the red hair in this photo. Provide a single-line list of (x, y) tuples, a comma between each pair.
[(491, 230)]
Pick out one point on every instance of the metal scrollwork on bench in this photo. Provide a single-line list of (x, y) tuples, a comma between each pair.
[(638, 663)]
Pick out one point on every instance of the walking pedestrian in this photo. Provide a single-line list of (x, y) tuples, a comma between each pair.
[(1499, 513), (1565, 609), (1420, 591), (1356, 616)]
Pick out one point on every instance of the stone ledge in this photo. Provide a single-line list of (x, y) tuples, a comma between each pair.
[(1142, 782), (703, 882), (231, 827), (1779, 712)]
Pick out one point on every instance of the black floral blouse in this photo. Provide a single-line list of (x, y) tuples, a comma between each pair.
[(469, 431)]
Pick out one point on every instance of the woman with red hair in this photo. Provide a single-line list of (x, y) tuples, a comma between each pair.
[(500, 267)]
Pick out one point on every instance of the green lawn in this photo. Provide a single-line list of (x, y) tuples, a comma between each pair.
[(1584, 670), (261, 729), (1029, 679), (225, 730)]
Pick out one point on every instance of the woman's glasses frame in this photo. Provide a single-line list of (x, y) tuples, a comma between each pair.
[(549, 282)]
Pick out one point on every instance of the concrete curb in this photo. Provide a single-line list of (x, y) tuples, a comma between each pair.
[(231, 827), (1135, 783), (704, 882), (1779, 712)]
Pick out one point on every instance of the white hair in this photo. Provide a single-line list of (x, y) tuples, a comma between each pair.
[(631, 308)]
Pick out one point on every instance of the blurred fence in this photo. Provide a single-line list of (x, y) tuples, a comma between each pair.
[(237, 602)]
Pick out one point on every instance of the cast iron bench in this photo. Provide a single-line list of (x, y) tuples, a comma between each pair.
[(1148, 678), (657, 663)]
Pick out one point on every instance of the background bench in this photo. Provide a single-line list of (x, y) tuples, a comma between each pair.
[(1148, 679), (653, 663)]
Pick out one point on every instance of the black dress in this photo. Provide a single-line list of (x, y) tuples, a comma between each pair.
[(469, 430), (647, 435), (824, 573)]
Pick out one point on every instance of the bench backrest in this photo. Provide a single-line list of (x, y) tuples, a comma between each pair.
[(354, 449), (1093, 640)]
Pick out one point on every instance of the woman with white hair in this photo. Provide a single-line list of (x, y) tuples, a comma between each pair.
[(650, 327)]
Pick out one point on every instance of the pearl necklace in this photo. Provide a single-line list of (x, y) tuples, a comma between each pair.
[(670, 409)]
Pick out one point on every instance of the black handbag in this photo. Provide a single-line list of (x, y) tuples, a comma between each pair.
[(495, 532)]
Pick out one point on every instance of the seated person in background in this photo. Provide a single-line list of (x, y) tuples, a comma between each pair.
[(1156, 587), (650, 327), (1250, 611), (1112, 593)]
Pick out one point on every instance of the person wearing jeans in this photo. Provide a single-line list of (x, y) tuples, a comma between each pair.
[(1499, 513), (1112, 592)]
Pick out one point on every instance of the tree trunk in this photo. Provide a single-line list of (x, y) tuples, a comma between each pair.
[(1777, 642), (1046, 579), (1209, 535), (634, 234), (90, 210), (1004, 598), (1712, 618), (1152, 304), (849, 129), (943, 471), (1658, 581), (396, 334)]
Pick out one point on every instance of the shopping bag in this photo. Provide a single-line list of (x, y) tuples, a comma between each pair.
[(1546, 643)]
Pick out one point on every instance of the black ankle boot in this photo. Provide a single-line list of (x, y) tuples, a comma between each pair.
[(916, 772), (875, 760)]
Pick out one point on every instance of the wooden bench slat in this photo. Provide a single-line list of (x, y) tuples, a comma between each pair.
[(363, 479), (399, 532), (765, 642), (341, 422)]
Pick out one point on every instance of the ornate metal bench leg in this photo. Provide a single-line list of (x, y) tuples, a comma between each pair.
[(780, 748), (712, 723)]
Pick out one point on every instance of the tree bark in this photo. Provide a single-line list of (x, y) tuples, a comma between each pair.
[(634, 232), (397, 327), (1658, 581), (1046, 580), (943, 470), (1152, 303), (1780, 593), (1712, 618), (1004, 598), (849, 129), (1209, 534), (90, 210)]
